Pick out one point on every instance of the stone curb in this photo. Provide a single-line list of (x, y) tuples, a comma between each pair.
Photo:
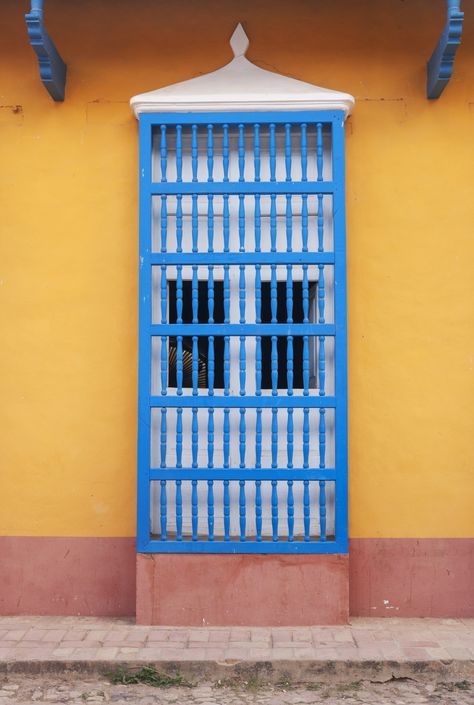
[(272, 672)]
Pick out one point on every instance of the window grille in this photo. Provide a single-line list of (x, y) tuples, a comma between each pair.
[(242, 361)]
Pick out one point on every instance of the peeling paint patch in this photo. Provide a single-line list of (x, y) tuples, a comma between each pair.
[(11, 115)]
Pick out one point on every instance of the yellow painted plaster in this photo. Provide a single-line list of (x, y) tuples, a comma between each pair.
[(68, 252)]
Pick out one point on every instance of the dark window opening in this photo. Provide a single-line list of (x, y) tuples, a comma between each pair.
[(297, 316), (203, 342), (266, 340)]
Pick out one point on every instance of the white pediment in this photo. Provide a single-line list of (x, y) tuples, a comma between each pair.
[(241, 86)]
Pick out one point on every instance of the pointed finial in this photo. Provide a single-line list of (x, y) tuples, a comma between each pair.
[(239, 41)]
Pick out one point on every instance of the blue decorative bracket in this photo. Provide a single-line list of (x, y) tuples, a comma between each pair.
[(52, 67), (440, 66)]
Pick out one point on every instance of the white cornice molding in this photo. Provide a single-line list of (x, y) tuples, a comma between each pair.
[(241, 86)]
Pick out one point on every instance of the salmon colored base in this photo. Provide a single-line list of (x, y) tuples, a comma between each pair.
[(259, 590), (412, 577), (67, 576), (96, 576)]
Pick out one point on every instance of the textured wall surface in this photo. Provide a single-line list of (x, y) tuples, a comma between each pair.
[(68, 253)]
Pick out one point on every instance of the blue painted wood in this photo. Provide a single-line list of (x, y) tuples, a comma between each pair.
[(195, 223), (319, 150), (179, 153), (257, 227), (210, 483), (210, 224), (241, 153), (242, 511), (322, 465), (242, 187), (291, 511), (310, 252), (227, 257), (179, 318), (272, 152), (195, 436), (210, 152), (256, 151), (163, 223), (194, 510), (242, 438), (258, 439), (304, 222), (226, 226), (194, 153), (52, 68), (163, 438), (164, 339), (274, 437), (179, 438), (237, 118), (274, 510), (230, 546), (210, 294), (226, 511), (340, 317), (289, 225), (144, 358), (304, 152), (289, 364), (179, 511), (306, 511), (258, 510), (210, 365), (441, 63), (210, 509), (237, 473), (237, 402), (288, 151), (290, 438), (163, 509), (179, 229), (163, 154), (225, 152), (245, 328)]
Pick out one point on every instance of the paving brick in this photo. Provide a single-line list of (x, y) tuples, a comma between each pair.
[(200, 636), (181, 636), (237, 652), (54, 635), (90, 639), (161, 635), (34, 635), (73, 635), (240, 635), (219, 636), (14, 635), (416, 653)]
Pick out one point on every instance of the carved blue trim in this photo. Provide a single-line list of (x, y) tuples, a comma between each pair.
[(440, 66), (52, 67)]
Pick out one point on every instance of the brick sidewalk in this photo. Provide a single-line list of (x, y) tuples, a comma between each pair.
[(85, 643)]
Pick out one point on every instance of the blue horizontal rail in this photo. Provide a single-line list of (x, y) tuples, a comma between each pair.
[(241, 187), (282, 545), (235, 118), (243, 402), (246, 329), (237, 474), (216, 258)]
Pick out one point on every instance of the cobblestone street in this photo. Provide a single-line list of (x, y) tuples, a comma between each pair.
[(21, 689)]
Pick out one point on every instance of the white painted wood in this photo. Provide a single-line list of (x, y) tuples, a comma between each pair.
[(241, 85)]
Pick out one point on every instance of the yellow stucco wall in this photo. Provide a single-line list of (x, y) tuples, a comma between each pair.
[(68, 252)]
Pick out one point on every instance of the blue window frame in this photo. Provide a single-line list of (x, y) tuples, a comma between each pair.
[(242, 428)]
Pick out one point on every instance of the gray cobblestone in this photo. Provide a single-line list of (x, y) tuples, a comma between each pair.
[(23, 690)]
